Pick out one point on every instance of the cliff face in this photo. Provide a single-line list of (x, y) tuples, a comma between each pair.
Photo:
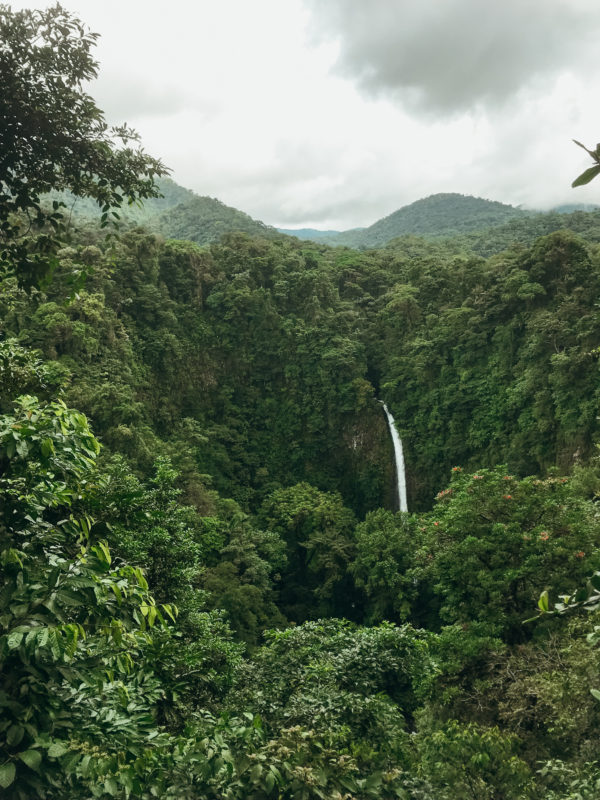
[(367, 470)]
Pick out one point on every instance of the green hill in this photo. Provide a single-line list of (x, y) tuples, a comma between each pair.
[(87, 209), (312, 234), (206, 219), (525, 231), (440, 215), (178, 214), (434, 216)]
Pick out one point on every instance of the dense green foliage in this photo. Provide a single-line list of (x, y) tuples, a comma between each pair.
[(54, 137), (248, 370), (211, 595)]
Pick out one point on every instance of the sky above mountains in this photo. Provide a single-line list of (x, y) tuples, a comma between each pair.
[(334, 113)]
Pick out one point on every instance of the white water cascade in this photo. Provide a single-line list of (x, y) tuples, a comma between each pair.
[(399, 457)]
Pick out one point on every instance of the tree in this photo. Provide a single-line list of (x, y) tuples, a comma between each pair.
[(493, 541), (53, 137), (318, 531)]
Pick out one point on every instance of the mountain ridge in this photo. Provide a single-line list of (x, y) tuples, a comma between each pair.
[(442, 214), (182, 214)]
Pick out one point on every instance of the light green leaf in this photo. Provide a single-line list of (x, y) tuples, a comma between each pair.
[(543, 602), (57, 750), (14, 640), (104, 548), (7, 774), (33, 758)]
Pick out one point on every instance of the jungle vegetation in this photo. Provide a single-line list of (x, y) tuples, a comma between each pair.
[(206, 590)]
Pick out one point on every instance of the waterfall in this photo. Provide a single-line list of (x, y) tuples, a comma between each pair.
[(399, 457)]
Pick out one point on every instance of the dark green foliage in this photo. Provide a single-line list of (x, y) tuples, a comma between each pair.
[(384, 566), (469, 761), (54, 137), (354, 688), (498, 359), (318, 533), (22, 371), (72, 624), (525, 231)]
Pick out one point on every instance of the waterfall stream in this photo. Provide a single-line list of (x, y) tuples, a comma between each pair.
[(399, 457)]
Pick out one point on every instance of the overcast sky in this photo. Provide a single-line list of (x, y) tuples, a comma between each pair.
[(334, 113)]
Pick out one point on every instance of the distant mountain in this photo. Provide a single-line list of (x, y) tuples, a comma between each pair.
[(439, 215), (86, 208), (206, 219), (182, 214), (311, 234), (178, 214), (568, 208), (525, 231)]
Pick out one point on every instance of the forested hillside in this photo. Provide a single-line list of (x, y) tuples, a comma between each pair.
[(176, 213), (206, 588), (439, 215)]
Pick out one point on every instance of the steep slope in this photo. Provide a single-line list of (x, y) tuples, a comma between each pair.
[(206, 219), (87, 209), (178, 214)]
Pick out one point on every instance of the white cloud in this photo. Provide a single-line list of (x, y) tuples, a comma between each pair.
[(336, 113)]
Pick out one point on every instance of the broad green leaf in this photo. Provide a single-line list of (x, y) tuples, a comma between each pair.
[(586, 176), (47, 447), (57, 750), (14, 640), (7, 774), (269, 782), (543, 602), (105, 551), (595, 693), (117, 592), (33, 758), (14, 735)]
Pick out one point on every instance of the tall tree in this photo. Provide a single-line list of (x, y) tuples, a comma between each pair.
[(54, 137)]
